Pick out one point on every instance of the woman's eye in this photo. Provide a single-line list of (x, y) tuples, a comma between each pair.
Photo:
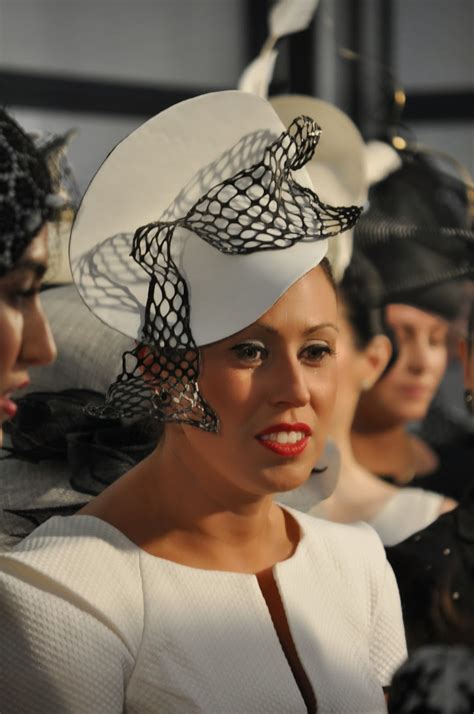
[(317, 352), (250, 353), (438, 340), (19, 297)]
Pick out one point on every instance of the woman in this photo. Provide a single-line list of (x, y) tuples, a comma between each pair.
[(434, 568), (417, 236), (26, 204), (183, 587), (362, 357)]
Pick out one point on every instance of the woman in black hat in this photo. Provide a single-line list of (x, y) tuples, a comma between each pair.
[(27, 203), (416, 235)]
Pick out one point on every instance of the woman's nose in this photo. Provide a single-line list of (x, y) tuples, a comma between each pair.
[(289, 384), (419, 356), (38, 346)]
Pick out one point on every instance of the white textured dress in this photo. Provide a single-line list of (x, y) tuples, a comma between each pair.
[(409, 511), (92, 624)]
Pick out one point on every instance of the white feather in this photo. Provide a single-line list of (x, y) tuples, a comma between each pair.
[(288, 16), (257, 76), (381, 160)]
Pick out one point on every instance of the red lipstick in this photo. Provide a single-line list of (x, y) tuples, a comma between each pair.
[(285, 439)]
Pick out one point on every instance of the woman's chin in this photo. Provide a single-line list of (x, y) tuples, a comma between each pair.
[(286, 477)]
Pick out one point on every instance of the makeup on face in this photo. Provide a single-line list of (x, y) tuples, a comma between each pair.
[(284, 439), (24, 336)]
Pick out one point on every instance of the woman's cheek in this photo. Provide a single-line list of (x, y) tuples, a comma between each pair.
[(324, 389), (11, 330), (441, 362)]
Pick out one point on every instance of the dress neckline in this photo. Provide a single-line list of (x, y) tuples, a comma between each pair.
[(173, 563)]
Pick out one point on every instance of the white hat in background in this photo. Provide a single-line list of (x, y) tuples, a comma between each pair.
[(338, 169)]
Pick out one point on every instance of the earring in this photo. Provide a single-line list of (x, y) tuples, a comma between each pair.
[(365, 385), (468, 401)]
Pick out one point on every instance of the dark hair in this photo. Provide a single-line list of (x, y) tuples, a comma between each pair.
[(326, 266), (360, 290), (361, 294), (25, 191)]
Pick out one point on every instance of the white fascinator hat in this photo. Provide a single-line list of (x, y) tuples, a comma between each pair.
[(338, 168), (191, 229)]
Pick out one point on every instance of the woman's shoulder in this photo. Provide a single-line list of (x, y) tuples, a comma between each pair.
[(83, 561), (354, 544)]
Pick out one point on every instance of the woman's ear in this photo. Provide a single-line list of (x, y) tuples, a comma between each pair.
[(467, 363), (377, 356)]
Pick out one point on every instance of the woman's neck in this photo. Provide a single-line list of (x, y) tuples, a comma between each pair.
[(390, 451), (178, 511), (359, 494)]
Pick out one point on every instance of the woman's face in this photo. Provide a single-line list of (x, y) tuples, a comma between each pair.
[(25, 337), (406, 391), (273, 387)]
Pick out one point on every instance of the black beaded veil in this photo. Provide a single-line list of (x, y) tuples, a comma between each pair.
[(259, 209), (27, 201)]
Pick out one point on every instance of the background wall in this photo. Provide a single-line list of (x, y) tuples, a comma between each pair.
[(160, 51)]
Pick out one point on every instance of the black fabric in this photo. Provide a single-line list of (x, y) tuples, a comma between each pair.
[(434, 569), (455, 473), (435, 680), (56, 426)]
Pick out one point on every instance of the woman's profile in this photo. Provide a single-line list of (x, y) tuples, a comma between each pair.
[(27, 203)]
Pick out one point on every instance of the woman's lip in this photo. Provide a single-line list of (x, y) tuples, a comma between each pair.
[(15, 388), (284, 426), (415, 390), (7, 406), (287, 450)]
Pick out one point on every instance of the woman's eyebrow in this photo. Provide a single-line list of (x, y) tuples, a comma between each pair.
[(306, 332), (315, 328), (35, 266)]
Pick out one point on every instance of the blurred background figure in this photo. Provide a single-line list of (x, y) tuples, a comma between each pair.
[(364, 352), (438, 680), (417, 235), (435, 567)]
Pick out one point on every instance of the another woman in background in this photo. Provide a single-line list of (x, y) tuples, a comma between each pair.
[(363, 354), (435, 567), (416, 234), (27, 203)]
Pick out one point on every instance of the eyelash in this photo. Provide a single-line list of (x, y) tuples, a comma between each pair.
[(19, 296), (242, 350)]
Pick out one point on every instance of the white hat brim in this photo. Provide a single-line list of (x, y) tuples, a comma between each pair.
[(158, 173)]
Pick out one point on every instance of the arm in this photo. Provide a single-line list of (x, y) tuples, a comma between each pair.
[(55, 655), (387, 644)]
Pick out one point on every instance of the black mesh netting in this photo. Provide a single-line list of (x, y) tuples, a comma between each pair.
[(258, 208), (25, 191)]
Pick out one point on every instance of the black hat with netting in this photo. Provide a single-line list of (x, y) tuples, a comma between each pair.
[(26, 191)]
